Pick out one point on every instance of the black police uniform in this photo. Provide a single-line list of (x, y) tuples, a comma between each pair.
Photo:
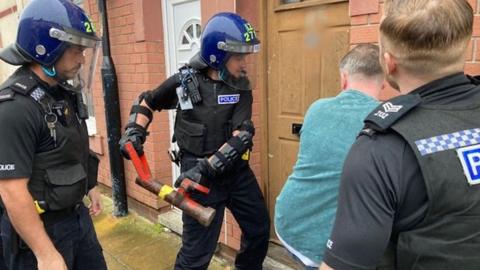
[(200, 132), (42, 138), (408, 183)]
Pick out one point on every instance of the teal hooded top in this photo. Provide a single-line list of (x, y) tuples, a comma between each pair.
[(305, 209)]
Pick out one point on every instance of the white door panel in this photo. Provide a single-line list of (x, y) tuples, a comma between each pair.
[(182, 41)]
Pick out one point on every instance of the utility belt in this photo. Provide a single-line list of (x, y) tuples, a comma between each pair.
[(52, 217)]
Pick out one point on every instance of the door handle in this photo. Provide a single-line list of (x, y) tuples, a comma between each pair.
[(296, 127)]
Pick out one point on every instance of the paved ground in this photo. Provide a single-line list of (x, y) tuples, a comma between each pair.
[(133, 243)]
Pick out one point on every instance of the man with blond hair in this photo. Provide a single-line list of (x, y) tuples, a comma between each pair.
[(409, 181)]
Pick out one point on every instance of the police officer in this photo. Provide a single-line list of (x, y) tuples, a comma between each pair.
[(214, 131), (410, 180), (45, 165)]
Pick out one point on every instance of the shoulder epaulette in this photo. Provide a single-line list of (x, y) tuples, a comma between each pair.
[(23, 85), (6, 94), (389, 112)]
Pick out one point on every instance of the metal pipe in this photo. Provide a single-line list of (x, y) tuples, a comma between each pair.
[(112, 117)]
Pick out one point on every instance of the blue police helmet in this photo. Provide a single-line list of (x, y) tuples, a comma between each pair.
[(47, 27), (227, 33)]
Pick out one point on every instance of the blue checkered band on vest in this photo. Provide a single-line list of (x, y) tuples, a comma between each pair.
[(448, 141), (37, 94)]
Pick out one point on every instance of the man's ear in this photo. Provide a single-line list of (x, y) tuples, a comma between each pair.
[(343, 80), (390, 63)]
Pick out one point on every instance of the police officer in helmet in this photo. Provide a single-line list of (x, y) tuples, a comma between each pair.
[(45, 165), (214, 132)]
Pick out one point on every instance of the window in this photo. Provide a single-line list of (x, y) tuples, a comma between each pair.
[(190, 35)]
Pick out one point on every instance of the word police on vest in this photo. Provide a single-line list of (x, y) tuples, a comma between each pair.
[(228, 99), (470, 159), (7, 167)]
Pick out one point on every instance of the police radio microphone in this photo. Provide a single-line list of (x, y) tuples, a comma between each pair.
[(192, 86)]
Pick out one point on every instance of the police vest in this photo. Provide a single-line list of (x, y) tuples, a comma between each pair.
[(446, 143), (59, 176), (202, 130)]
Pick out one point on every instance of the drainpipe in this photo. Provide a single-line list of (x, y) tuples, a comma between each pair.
[(112, 117)]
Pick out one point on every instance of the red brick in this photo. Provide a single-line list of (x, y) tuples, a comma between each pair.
[(154, 47), (364, 34), (118, 3), (237, 233), (120, 11), (233, 243), (130, 19), (476, 50), (135, 58), (374, 18), (363, 7), (125, 68), (152, 58), (472, 68), (473, 3), (140, 47), (469, 52), (116, 21), (476, 26), (359, 20), (127, 29), (153, 77)]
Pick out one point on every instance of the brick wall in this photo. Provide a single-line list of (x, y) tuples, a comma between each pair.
[(365, 18), (136, 36)]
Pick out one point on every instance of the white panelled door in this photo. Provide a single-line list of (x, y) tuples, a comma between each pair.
[(182, 41)]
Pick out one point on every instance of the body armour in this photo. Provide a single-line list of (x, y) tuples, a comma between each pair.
[(446, 143), (208, 125), (59, 176)]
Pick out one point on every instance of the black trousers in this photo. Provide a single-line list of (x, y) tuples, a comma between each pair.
[(74, 237), (240, 193)]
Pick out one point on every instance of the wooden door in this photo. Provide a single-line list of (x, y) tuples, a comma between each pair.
[(302, 66)]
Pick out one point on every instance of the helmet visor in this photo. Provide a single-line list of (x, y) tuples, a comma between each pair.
[(75, 37), (89, 48), (238, 47), (81, 75), (83, 79)]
